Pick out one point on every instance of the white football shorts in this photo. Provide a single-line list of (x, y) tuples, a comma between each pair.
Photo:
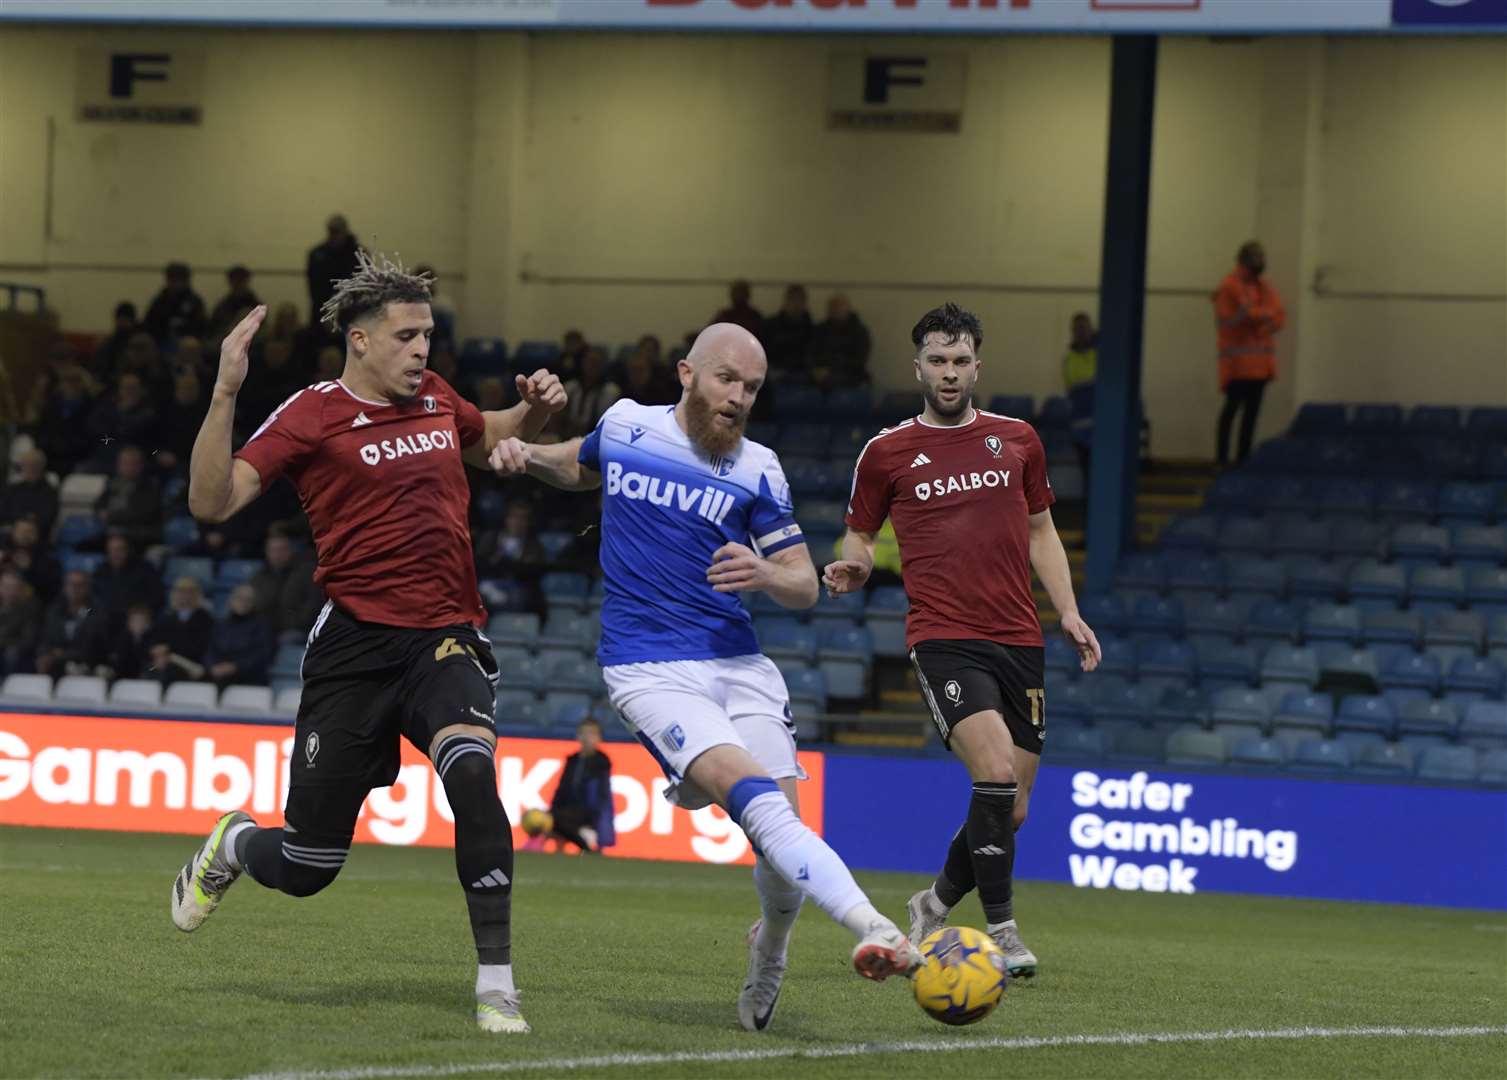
[(680, 709)]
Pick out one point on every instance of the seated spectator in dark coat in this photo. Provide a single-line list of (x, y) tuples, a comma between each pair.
[(242, 643), (127, 416), (180, 636), (19, 615), (787, 336), (144, 360), (582, 803), (588, 395), (233, 307), (177, 310), (132, 501), (63, 432), (739, 311), (32, 496), (268, 384), (839, 356), (74, 638), (180, 420), (123, 580), (512, 551), (30, 558), (284, 589), (111, 352), (130, 655), (645, 380), (572, 348)]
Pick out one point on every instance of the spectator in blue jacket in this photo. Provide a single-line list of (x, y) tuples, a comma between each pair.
[(242, 643), (582, 804)]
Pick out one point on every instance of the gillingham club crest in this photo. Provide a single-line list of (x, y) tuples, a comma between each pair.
[(993, 445)]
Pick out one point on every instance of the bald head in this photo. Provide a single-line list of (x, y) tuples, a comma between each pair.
[(720, 377), (727, 342)]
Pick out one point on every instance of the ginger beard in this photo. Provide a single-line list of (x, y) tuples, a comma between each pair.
[(716, 429)]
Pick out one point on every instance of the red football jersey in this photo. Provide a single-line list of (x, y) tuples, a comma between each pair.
[(960, 498), (385, 491)]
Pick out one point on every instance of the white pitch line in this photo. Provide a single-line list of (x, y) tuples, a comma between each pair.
[(912, 1046)]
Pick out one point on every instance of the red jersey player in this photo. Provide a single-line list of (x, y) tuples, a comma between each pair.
[(968, 494), (377, 458)]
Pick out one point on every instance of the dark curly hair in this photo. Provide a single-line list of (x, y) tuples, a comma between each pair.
[(377, 282), (952, 322)]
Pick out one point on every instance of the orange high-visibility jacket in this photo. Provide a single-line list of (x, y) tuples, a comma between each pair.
[(1248, 313)]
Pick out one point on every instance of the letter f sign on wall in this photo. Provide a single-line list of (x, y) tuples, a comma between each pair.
[(128, 69), (882, 72)]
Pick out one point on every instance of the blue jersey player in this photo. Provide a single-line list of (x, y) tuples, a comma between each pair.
[(692, 514)]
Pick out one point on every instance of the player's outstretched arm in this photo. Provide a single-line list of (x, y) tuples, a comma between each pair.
[(1049, 560), (540, 396), (854, 565), (556, 464), (219, 486), (787, 575)]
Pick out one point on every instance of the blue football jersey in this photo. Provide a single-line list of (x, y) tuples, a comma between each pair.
[(666, 508)]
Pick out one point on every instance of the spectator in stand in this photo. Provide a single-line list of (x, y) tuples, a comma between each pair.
[(740, 311), (180, 637), (132, 502), (177, 310), (284, 588), (1080, 364), (232, 308), (651, 349), (29, 557), (514, 550), (19, 614), (441, 310), (189, 356), (63, 431), (124, 579), (111, 351), (588, 395), (443, 363), (180, 421), (143, 359), (125, 417), (241, 644), (491, 395), (32, 496), (839, 356), (1248, 314), (582, 804), (74, 636), (330, 363), (645, 381), (304, 341), (572, 349), (267, 386), (331, 261), (787, 336), (130, 655)]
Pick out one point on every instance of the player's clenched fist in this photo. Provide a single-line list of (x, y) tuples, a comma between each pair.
[(510, 457), (543, 390), (234, 352), (735, 568), (844, 576)]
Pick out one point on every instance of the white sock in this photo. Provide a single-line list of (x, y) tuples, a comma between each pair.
[(494, 977), (780, 903), (862, 918), (934, 902), (801, 857), (996, 927), (228, 845)]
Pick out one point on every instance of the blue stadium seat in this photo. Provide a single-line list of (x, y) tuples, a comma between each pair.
[(1260, 752), (509, 658), (565, 591), (1464, 629), (1287, 493), (800, 402), (1241, 705), (520, 707), (1118, 656), (535, 354), (1384, 759), (1377, 421), (1496, 630), (1398, 627), (806, 683), (841, 641), (1493, 768), (1411, 670), (1157, 615), (490, 506), (1436, 588), (1435, 420), (1407, 499), (484, 354), (1477, 675), (1359, 538), (1289, 666), (1305, 710), (287, 662), (1321, 756), (1223, 664), (1073, 741), (1244, 535), (1069, 702), (1259, 577), (785, 637), (1197, 532), (847, 609), (1315, 578), (185, 566), (1167, 659), (1348, 499), (1061, 658), (1195, 747), (1477, 502), (577, 674), (803, 440), (1421, 544), (78, 529), (1494, 462), (1319, 418), (565, 709), (180, 532), (1273, 620), (1301, 536), (1180, 707), (1375, 579), (1331, 622), (574, 630), (1484, 725), (1190, 572), (232, 572), (87, 561), (1141, 571), (1338, 661), (514, 628), (1212, 615), (1135, 746), (1487, 421), (1056, 414), (1428, 717), (845, 677), (1366, 713), (850, 403), (555, 542), (1119, 703), (1448, 764), (1018, 406), (1484, 544), (1106, 614), (1486, 588)]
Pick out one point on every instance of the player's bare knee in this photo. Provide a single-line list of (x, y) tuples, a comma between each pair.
[(1022, 808)]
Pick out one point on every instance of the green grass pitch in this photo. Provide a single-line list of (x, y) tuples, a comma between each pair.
[(639, 962)]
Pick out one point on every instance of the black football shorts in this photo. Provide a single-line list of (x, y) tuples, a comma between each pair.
[(960, 678)]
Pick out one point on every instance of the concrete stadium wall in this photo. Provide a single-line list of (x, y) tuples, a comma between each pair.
[(617, 182)]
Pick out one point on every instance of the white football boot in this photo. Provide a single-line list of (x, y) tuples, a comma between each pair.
[(885, 951), (925, 918), (1019, 960), (761, 987), (204, 879), (497, 1013)]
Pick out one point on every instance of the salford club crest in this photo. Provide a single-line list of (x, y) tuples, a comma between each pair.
[(993, 445)]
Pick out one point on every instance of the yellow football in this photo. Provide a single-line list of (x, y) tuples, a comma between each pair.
[(962, 975)]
